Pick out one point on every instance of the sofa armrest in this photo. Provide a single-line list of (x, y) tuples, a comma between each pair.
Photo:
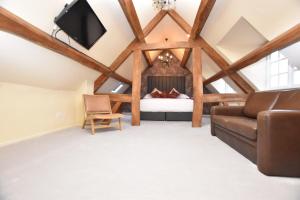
[(278, 143), (227, 110)]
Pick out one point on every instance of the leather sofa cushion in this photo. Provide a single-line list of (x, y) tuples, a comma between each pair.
[(261, 101), (243, 126), (288, 100)]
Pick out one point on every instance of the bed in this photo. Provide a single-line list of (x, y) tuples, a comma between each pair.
[(165, 109)]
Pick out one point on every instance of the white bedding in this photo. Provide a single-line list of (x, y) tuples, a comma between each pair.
[(166, 105)]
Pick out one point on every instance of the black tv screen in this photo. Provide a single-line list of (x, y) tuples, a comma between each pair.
[(80, 22)]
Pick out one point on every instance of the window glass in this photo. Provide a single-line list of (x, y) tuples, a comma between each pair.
[(275, 71), (223, 87), (296, 77)]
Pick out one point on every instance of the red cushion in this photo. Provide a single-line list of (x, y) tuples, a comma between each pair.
[(155, 94), (164, 95), (173, 95)]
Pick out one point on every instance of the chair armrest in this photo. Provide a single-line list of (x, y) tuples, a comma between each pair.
[(278, 143), (227, 110)]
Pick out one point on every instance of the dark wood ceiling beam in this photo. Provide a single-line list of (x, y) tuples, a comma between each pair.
[(133, 20), (153, 23), (224, 65), (199, 22), (167, 45), (128, 50), (214, 55), (180, 21), (17, 26), (284, 40)]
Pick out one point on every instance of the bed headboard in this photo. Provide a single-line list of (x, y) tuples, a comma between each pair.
[(166, 83)]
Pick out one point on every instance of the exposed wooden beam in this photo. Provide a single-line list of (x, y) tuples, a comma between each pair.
[(215, 77), (214, 55), (17, 26), (166, 45), (197, 88), (180, 21), (136, 87), (153, 23), (199, 22), (125, 98), (133, 20), (128, 50), (284, 40), (115, 65), (119, 78), (201, 17), (116, 107), (216, 98), (224, 65)]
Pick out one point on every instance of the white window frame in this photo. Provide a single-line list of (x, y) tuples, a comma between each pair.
[(290, 73)]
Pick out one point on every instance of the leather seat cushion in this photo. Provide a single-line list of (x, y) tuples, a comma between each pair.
[(243, 126), (261, 101), (289, 100)]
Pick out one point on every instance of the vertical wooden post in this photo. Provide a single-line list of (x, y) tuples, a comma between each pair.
[(136, 87), (197, 87)]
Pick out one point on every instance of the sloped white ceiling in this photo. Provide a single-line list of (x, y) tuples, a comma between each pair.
[(209, 67), (268, 17), (126, 68), (144, 11), (188, 9), (240, 40), (25, 63), (292, 53), (167, 28)]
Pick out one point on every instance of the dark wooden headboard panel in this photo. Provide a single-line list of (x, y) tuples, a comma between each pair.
[(166, 83)]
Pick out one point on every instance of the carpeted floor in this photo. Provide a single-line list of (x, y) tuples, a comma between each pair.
[(156, 161)]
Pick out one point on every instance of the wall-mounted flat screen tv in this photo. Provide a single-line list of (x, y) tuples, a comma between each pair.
[(80, 22)]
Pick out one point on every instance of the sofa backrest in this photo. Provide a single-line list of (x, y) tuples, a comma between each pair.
[(288, 100), (260, 101)]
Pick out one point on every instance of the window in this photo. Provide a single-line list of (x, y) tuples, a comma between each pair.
[(117, 88), (273, 72), (279, 70), (222, 87)]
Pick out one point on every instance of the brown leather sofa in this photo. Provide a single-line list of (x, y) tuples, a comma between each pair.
[(266, 130)]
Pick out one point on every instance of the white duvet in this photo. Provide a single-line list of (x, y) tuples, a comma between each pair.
[(166, 105)]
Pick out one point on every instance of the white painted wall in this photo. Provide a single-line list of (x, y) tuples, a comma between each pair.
[(28, 111)]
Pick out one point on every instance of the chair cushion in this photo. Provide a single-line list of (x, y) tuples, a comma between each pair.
[(243, 126), (261, 101), (288, 100), (97, 103)]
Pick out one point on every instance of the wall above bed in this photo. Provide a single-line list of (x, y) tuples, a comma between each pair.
[(173, 69)]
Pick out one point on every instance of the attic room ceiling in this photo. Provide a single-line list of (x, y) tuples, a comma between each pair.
[(265, 16)]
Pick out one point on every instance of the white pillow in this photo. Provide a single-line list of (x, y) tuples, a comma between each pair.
[(183, 96), (148, 96), (174, 90)]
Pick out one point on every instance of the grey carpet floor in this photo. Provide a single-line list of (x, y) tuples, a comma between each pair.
[(156, 161)]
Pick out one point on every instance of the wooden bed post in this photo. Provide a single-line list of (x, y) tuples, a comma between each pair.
[(197, 87), (136, 87)]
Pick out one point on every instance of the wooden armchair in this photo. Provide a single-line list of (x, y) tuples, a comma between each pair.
[(98, 108)]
